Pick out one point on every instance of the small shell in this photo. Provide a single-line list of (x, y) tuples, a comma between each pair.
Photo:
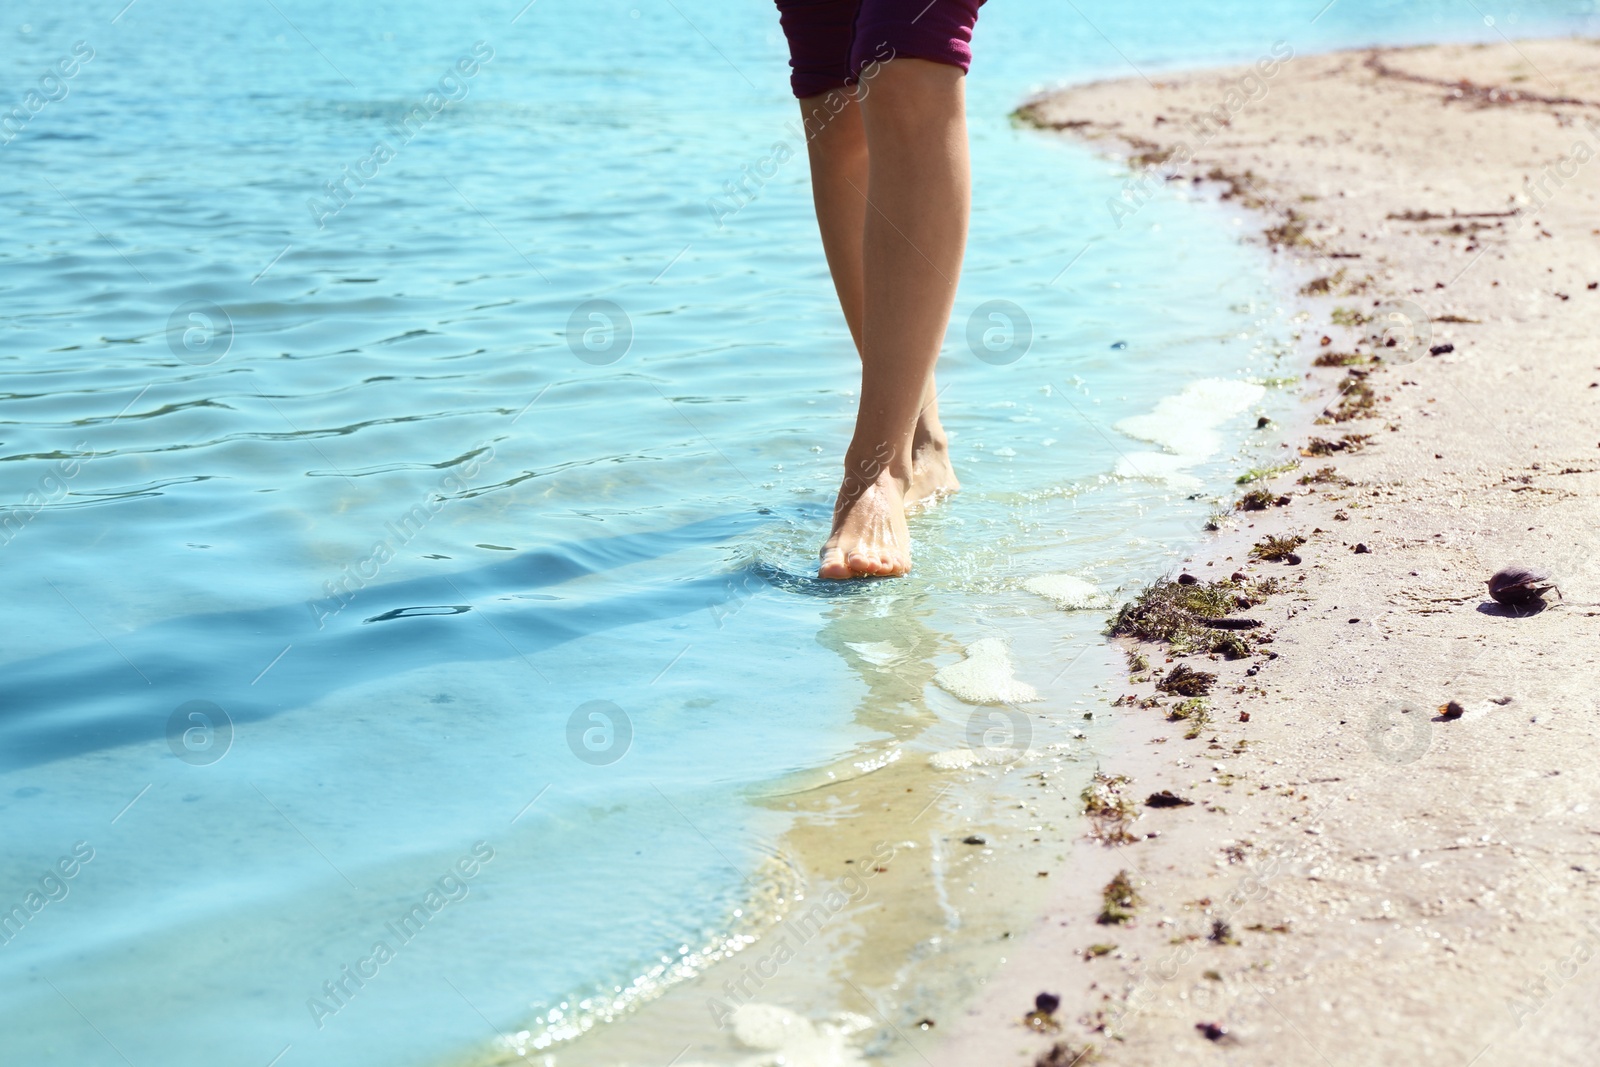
[(1519, 586)]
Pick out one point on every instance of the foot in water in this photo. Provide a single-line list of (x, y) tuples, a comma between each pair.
[(932, 476), (870, 537)]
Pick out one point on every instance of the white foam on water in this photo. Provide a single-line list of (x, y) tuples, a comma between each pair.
[(960, 759), (1067, 592), (985, 676), (1186, 426), (787, 1038), (877, 653)]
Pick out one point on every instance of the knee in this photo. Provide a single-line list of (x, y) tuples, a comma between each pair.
[(833, 127), (915, 91)]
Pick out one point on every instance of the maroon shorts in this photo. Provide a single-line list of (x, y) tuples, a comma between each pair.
[(830, 41)]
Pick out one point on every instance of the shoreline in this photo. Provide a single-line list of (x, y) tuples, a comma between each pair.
[(1360, 877)]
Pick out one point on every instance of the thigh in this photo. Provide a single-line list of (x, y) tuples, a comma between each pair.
[(937, 30), (820, 34)]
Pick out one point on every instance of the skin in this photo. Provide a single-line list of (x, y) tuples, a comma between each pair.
[(892, 187)]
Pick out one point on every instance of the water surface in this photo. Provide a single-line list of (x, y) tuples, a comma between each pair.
[(303, 433)]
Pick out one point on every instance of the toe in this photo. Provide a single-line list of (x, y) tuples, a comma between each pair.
[(834, 564), (865, 561)]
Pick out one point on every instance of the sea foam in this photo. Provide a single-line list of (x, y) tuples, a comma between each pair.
[(985, 676), (1067, 592), (1187, 427), (796, 1040)]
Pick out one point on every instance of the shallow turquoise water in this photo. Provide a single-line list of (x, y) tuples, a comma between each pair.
[(384, 408)]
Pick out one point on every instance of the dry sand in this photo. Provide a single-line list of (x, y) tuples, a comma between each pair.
[(1393, 886)]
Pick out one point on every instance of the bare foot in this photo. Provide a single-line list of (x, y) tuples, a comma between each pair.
[(932, 476), (869, 536)]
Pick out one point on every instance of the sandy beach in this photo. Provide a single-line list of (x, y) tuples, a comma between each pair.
[(434, 475), (1368, 837), (1387, 854)]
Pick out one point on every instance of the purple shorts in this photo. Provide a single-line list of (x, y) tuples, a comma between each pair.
[(830, 41)]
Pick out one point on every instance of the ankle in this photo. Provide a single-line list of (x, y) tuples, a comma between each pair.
[(869, 466), (930, 440)]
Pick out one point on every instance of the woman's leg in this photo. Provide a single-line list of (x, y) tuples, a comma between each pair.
[(912, 211), (837, 146)]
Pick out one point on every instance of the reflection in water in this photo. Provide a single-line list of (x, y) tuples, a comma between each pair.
[(887, 642), (417, 612)]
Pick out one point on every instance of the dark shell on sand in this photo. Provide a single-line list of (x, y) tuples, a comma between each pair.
[(1519, 586)]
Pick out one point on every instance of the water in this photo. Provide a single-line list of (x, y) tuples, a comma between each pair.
[(451, 598)]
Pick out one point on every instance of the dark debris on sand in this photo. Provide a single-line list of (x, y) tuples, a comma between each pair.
[(1519, 587), (1179, 616), (1065, 1054), (1183, 680)]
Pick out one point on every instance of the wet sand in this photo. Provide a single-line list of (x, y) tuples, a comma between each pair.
[(1362, 876), (910, 871), (1358, 878)]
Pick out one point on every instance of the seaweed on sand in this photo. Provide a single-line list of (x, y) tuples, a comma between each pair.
[(1273, 548), (1325, 476), (1256, 500), (1064, 1054), (1183, 680), (1340, 359), (1120, 900), (1176, 614), (1288, 233), (1324, 285), (1109, 812), (1256, 474), (1357, 400), (1197, 711), (1350, 442)]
